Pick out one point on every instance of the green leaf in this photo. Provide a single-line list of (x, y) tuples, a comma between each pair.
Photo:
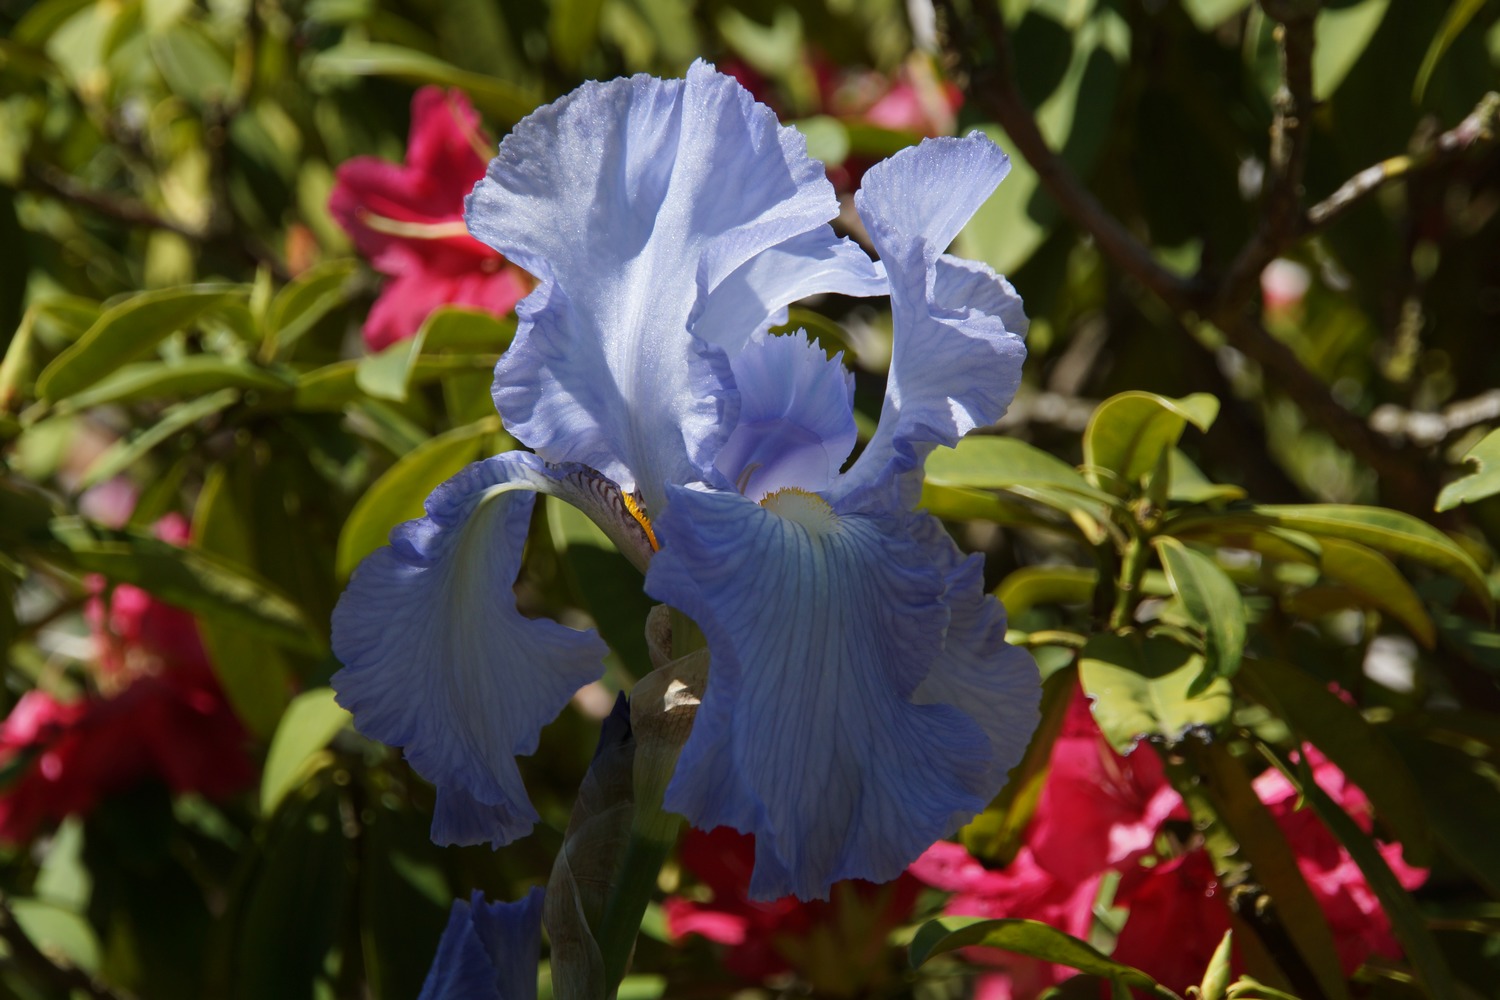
[(609, 586), (1377, 584), (130, 449), (1190, 485), (308, 298), (1455, 788), (1212, 600), (1406, 919), (256, 677), (309, 724), (58, 929), (1209, 14), (997, 463), (1454, 21), (399, 493), (574, 30), (389, 374), (1483, 482), (199, 582), (128, 331), (501, 100), (1030, 586), (1127, 434), (1387, 530), (195, 375), (1140, 688), (1024, 937), (1343, 34), (1360, 749)]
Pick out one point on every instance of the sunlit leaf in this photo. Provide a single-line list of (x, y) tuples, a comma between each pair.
[(310, 722), (174, 420), (1030, 586), (306, 299), (1343, 34), (1140, 688), (502, 100), (126, 332), (1483, 482), (195, 375), (1211, 599), (1128, 433)]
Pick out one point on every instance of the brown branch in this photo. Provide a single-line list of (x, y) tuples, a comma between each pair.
[(1481, 125), (49, 180), (1426, 428), (1281, 208)]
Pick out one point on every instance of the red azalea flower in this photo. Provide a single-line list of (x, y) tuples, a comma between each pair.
[(1100, 812), (835, 944), (407, 219), (164, 716)]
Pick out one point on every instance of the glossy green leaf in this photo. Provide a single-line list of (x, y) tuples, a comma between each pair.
[(174, 420), (1209, 14), (1483, 482), (1458, 16), (125, 332), (309, 724), (1030, 586), (390, 373), (1190, 485), (1024, 937), (399, 493), (1406, 919), (195, 375), (1346, 737), (1128, 433), (198, 581), (1387, 530), (1211, 599), (256, 677), (997, 463), (308, 298), (1140, 688), (1343, 34), (954, 504), (504, 101), (1378, 584)]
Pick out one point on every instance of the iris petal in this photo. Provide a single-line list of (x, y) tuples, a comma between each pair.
[(488, 951), (614, 197), (956, 359), (820, 628), (795, 424), (438, 660)]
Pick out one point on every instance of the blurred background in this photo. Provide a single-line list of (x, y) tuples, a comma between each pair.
[(246, 336)]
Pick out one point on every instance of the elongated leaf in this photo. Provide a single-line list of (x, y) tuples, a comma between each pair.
[(310, 722), (1211, 599), (1378, 584), (997, 463), (126, 332), (307, 299), (1359, 748), (955, 504), (1343, 35), (1140, 687), (1406, 920), (1483, 482), (1128, 433), (1190, 485), (200, 582), (1459, 800), (255, 676), (128, 450), (1262, 843), (190, 376), (501, 100), (1029, 586), (398, 494), (1387, 530), (1024, 937)]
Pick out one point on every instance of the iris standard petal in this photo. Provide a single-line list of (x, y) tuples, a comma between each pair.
[(821, 626), (489, 951), (795, 424), (957, 353), (438, 660), (631, 201)]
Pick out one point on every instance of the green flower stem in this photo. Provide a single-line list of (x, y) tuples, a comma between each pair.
[(662, 708), (1128, 585)]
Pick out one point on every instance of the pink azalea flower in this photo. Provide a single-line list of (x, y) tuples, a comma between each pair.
[(407, 219), (163, 716), (1100, 812), (838, 942)]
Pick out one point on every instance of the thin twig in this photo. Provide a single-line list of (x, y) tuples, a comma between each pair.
[(50, 180), (1481, 125), (1426, 428)]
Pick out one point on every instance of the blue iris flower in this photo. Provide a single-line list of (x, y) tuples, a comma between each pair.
[(861, 700), (488, 951)]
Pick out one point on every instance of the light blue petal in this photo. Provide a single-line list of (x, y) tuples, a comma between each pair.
[(957, 354), (754, 298), (489, 951), (796, 417), (631, 201), (978, 672), (808, 736), (438, 660)]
